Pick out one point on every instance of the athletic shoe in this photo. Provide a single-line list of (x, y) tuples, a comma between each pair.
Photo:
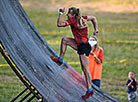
[(88, 94), (57, 60)]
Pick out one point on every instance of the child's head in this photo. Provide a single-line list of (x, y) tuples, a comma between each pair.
[(131, 75), (93, 41)]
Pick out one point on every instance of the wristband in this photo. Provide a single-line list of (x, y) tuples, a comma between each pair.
[(94, 55), (60, 13)]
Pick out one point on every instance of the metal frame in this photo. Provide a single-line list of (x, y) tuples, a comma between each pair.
[(28, 85)]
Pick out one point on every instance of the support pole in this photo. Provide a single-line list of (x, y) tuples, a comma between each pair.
[(19, 76)]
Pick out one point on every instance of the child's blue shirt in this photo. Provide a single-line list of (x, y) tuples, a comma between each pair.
[(133, 86)]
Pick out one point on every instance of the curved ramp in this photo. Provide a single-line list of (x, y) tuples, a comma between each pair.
[(31, 54)]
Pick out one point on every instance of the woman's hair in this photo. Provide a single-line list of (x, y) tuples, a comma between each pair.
[(81, 21)]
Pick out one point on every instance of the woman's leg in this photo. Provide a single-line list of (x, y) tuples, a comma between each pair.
[(66, 41), (84, 64)]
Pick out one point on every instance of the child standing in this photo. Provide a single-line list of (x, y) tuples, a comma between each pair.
[(132, 86), (95, 61)]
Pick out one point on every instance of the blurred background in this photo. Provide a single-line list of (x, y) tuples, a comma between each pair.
[(118, 36)]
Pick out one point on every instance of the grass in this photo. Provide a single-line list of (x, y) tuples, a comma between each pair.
[(112, 26)]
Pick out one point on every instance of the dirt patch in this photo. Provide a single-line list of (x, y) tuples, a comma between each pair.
[(105, 7), (102, 6), (39, 5)]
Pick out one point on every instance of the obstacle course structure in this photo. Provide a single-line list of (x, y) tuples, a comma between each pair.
[(29, 58)]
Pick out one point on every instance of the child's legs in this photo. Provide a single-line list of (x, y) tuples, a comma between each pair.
[(66, 41), (129, 97), (135, 99), (132, 97)]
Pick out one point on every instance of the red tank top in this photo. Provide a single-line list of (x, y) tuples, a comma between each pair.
[(79, 33)]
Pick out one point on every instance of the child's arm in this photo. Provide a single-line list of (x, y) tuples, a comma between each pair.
[(136, 81), (129, 84), (96, 58), (99, 58)]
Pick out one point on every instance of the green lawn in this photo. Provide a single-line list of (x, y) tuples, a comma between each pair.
[(112, 26)]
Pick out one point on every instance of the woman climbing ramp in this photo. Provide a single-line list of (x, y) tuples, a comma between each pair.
[(79, 43)]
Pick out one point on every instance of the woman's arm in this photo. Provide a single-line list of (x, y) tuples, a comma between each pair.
[(95, 24), (60, 23)]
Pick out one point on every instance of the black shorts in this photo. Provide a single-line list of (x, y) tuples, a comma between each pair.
[(84, 48)]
